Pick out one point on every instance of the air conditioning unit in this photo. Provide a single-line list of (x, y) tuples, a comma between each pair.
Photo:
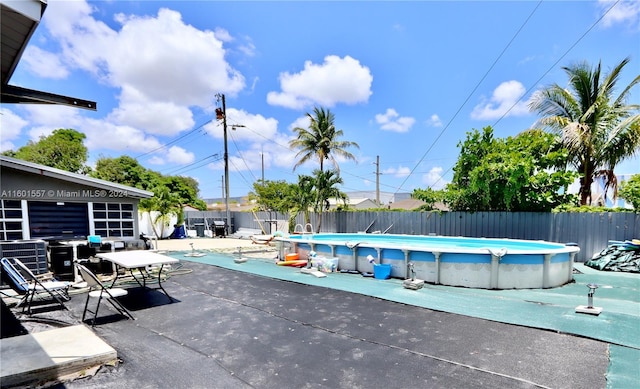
[(32, 253)]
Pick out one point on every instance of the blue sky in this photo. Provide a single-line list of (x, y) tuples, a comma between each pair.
[(405, 80)]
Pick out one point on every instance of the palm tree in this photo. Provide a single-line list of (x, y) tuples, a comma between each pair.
[(598, 130), (320, 140), (302, 196), (161, 207), (325, 188)]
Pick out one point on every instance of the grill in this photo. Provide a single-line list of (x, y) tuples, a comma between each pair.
[(219, 228)]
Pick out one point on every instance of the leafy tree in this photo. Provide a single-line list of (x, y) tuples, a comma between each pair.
[(170, 192), (320, 140), (598, 130), (429, 196), (126, 171), (273, 195), (325, 188), (630, 191), (522, 173), (63, 149), (186, 191)]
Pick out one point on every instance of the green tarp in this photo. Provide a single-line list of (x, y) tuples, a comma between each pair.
[(618, 256)]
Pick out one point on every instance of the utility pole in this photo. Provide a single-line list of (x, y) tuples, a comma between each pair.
[(222, 114), (378, 180)]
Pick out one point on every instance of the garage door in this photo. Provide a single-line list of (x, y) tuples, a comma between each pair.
[(48, 219)]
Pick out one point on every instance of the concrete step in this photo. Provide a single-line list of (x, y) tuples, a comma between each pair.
[(33, 359)]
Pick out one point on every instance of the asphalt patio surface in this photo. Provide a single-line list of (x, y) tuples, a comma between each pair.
[(257, 325)]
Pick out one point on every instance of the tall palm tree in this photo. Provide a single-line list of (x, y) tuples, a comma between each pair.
[(598, 129), (320, 140)]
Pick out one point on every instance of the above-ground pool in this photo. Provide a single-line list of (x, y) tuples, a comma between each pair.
[(456, 261)]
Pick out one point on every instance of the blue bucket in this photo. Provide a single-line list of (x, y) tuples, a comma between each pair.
[(381, 271)]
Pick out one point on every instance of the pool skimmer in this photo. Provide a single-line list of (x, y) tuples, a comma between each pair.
[(240, 258), (589, 308), (194, 253), (412, 283)]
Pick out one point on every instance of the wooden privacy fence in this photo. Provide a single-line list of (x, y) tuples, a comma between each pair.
[(591, 231)]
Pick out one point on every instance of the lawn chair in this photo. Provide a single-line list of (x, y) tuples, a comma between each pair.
[(26, 284), (98, 290)]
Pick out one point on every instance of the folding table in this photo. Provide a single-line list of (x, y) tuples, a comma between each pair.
[(139, 259)]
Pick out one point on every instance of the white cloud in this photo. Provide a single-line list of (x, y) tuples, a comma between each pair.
[(250, 127), (392, 121), (505, 101), (44, 64), (154, 117), (248, 48), (174, 62), (121, 138), (101, 134), (176, 66), (434, 121), (399, 172), (12, 126), (256, 142), (623, 12), (35, 133), (43, 119), (174, 154), (434, 179), (301, 122), (156, 160), (180, 156), (223, 35), (337, 80)]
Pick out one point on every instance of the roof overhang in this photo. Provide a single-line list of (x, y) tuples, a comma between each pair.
[(20, 18), (17, 95), (63, 175)]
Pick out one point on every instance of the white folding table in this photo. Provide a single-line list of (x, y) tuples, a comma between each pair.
[(139, 259)]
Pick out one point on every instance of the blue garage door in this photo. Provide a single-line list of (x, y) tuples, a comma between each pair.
[(51, 219)]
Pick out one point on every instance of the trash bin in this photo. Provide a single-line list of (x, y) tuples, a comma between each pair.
[(200, 230), (219, 229)]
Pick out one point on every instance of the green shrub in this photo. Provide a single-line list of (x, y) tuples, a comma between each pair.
[(630, 191)]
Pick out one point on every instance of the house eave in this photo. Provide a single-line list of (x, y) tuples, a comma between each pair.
[(46, 171)]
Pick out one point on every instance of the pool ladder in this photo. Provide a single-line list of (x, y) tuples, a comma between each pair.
[(307, 229)]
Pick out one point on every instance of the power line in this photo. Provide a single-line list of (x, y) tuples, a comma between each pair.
[(558, 61), (182, 170), (242, 158), (469, 96), (546, 72), (174, 140)]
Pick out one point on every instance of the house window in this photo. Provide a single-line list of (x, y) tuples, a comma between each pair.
[(113, 219), (10, 220)]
